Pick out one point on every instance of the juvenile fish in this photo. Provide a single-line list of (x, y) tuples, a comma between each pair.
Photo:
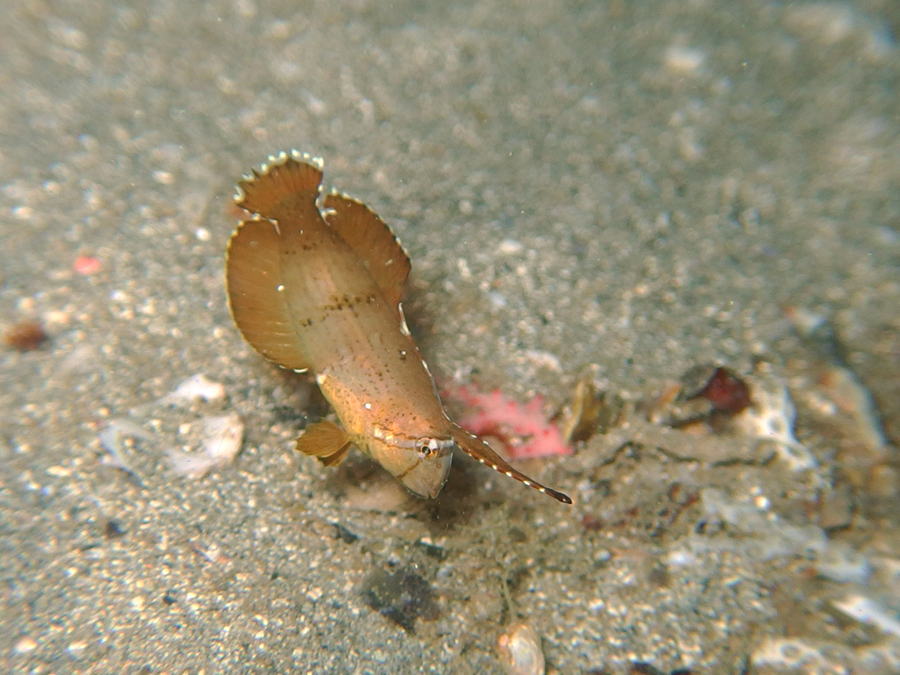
[(320, 290)]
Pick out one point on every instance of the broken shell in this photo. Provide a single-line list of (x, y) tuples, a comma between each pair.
[(581, 415), (196, 387), (520, 651), (222, 440), (696, 379), (588, 410)]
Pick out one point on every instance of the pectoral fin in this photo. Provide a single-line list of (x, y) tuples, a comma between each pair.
[(325, 440), (477, 449)]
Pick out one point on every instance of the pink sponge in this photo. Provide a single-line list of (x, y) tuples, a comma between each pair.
[(524, 429)]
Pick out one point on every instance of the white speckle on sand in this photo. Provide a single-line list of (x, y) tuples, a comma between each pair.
[(66, 35), (164, 177), (510, 246), (682, 60), (76, 648), (24, 645), (23, 213), (462, 267), (497, 299)]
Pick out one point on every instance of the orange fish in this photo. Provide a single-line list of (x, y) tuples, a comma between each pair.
[(320, 290)]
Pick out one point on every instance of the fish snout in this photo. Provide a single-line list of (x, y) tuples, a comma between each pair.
[(428, 476)]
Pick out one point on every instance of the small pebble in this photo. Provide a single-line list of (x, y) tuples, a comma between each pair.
[(602, 555), (26, 336)]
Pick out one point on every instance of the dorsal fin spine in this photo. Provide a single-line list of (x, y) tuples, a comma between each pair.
[(284, 176)]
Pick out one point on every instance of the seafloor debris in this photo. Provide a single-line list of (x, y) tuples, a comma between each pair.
[(752, 410), (112, 439), (524, 428), (402, 596), (771, 418), (587, 411), (212, 554), (222, 437), (757, 533), (817, 656), (796, 655), (841, 563), (866, 455), (520, 651), (194, 388), (25, 336), (868, 611), (578, 419), (842, 382), (712, 415), (723, 389)]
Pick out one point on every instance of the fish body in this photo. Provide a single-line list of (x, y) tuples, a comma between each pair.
[(320, 290)]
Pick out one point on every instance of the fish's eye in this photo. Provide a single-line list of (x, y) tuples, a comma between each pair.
[(428, 446)]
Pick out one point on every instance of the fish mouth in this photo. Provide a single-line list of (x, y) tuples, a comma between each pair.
[(428, 476)]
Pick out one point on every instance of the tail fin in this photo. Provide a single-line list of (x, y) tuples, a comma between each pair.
[(287, 175)]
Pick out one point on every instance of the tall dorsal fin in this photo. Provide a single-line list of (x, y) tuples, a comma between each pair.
[(295, 176), (288, 184), (372, 241), (253, 278), (477, 449)]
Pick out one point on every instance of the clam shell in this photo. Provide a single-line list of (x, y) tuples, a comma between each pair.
[(520, 651)]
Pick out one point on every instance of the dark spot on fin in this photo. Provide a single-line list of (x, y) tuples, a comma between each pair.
[(253, 277), (287, 177), (325, 440), (372, 241), (477, 449)]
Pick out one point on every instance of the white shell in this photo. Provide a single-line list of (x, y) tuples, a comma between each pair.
[(222, 439), (520, 651)]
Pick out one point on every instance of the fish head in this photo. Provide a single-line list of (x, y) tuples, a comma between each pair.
[(421, 464)]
